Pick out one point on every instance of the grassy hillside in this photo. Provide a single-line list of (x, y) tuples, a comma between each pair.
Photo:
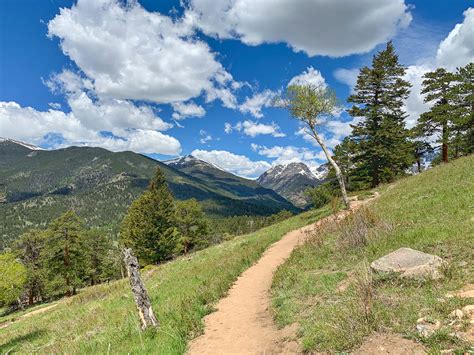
[(324, 286), (103, 319), (37, 186)]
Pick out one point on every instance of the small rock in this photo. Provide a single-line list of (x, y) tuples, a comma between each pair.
[(409, 263), (427, 327), (457, 313), (447, 351), (468, 310), (463, 263)]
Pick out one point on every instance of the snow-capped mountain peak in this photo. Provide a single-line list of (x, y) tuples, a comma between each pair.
[(23, 144)]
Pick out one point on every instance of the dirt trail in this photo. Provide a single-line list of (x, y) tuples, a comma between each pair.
[(27, 315), (243, 323)]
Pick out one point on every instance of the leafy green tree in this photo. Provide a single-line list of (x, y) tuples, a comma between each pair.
[(149, 226), (320, 195), (382, 147), (312, 105), (192, 225), (12, 282), (30, 249), (65, 253), (437, 86)]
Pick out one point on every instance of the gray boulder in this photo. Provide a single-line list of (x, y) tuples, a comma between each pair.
[(410, 263)]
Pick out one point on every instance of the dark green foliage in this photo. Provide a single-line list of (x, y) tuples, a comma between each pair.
[(462, 95), (103, 257), (192, 225), (149, 227), (30, 249), (383, 151), (438, 120), (38, 186), (322, 194), (65, 253)]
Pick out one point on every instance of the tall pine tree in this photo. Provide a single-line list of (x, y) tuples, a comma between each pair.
[(437, 86), (65, 253), (383, 150), (149, 226)]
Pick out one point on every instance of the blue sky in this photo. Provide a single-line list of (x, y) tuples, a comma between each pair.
[(164, 79)]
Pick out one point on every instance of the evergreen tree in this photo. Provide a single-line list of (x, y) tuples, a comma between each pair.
[(29, 248), (462, 95), (382, 147), (102, 257), (65, 253), (149, 226), (437, 86), (192, 225), (13, 279)]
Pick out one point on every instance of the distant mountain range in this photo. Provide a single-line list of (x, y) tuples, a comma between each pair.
[(292, 180), (38, 185)]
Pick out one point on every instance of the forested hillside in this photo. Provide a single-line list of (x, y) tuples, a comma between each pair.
[(36, 186)]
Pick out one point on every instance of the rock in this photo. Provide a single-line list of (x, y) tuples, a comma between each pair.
[(468, 311), (409, 263), (426, 327), (457, 313), (466, 292)]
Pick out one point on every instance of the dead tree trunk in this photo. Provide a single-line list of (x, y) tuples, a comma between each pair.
[(142, 300)]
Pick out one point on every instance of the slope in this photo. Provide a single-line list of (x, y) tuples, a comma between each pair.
[(324, 285), (36, 186), (290, 181), (103, 319)]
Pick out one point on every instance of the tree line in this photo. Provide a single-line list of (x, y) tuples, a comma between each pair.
[(47, 263), (381, 148)]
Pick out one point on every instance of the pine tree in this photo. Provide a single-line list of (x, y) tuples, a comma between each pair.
[(29, 247), (192, 225), (382, 147), (149, 226), (65, 253), (437, 86), (462, 95)]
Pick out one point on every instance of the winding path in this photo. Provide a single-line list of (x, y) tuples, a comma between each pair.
[(243, 323)]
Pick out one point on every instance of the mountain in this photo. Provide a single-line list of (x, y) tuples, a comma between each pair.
[(291, 181), (38, 185)]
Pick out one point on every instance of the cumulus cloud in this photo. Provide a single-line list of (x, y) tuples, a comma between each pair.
[(234, 163), (457, 49), (130, 127), (347, 76), (129, 53), (310, 76), (333, 28), (253, 129), (254, 104), (290, 154), (183, 110)]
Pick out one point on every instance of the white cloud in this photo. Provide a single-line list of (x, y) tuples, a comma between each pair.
[(228, 128), (204, 137), (84, 125), (127, 52), (309, 77), (457, 49), (183, 110), (290, 154), (254, 104), (414, 104), (234, 163), (253, 129), (347, 76), (319, 27)]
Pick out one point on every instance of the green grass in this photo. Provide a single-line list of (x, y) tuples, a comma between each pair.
[(432, 212), (103, 319)]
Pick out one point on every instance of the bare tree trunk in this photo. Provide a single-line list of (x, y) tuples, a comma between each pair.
[(339, 176), (142, 300)]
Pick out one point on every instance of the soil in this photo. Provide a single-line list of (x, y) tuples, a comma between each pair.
[(243, 322)]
